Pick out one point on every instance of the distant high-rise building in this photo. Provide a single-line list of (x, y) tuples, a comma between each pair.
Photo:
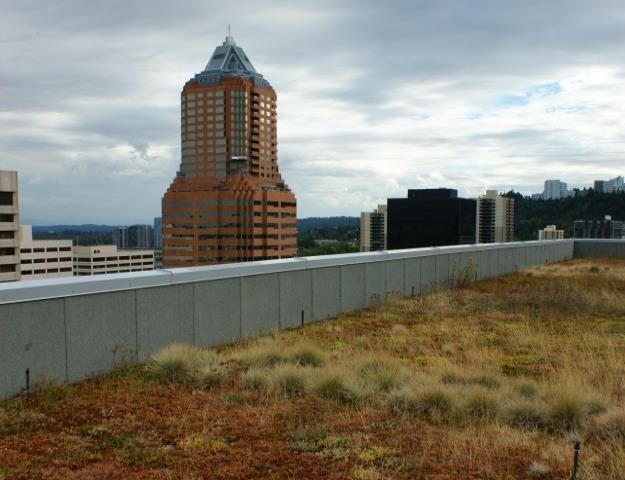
[(373, 230), (158, 233), (228, 202), (101, 259), (9, 227), (140, 236), (614, 185), (494, 218), (599, 186), (44, 258), (120, 237), (555, 190), (606, 228), (550, 232), (430, 217)]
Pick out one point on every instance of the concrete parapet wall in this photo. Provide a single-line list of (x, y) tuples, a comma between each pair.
[(67, 329)]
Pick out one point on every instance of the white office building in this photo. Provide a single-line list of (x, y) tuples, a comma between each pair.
[(555, 190), (550, 232), (44, 258), (101, 259), (9, 228)]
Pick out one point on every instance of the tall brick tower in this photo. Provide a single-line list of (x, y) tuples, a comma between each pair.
[(228, 202)]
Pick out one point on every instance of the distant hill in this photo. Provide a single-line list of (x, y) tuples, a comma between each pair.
[(533, 215), (326, 223), (72, 228)]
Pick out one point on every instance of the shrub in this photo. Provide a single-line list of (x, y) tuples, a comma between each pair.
[(525, 414), (337, 386), (289, 379), (481, 404), (307, 356), (382, 373)]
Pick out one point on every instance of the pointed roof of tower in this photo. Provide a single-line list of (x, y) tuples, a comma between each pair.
[(229, 60)]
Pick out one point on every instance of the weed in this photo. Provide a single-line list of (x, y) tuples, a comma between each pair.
[(365, 473)]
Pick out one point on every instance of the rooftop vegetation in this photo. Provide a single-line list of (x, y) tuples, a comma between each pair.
[(497, 379)]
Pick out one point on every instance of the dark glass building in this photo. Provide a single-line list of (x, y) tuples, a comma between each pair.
[(606, 228), (430, 217)]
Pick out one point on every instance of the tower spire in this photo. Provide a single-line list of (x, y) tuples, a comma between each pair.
[(229, 39)]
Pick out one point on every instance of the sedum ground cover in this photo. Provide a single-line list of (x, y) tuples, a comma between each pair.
[(492, 380)]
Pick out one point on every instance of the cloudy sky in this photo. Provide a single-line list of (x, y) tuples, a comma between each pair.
[(373, 97)]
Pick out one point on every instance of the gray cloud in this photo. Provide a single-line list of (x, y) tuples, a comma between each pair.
[(374, 97)]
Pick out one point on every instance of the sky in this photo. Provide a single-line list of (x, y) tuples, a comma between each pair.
[(373, 97)]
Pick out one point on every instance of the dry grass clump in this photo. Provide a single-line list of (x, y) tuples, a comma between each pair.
[(255, 378), (289, 380), (481, 404), (307, 356), (186, 365), (261, 356), (432, 402), (487, 381), (525, 414), (381, 373), (337, 385), (609, 426)]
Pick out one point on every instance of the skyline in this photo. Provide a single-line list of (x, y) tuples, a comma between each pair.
[(445, 94)]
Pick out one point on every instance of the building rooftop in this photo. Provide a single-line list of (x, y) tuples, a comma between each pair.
[(229, 60)]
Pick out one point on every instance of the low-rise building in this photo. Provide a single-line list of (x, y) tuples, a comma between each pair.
[(44, 258), (101, 259), (9, 228), (550, 232)]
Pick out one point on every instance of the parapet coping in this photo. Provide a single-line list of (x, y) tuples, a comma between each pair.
[(50, 288)]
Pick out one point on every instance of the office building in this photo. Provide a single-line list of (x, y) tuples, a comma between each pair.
[(606, 228), (599, 186), (555, 190), (140, 236), (373, 230), (158, 233), (120, 237), (101, 259), (614, 185), (550, 232), (9, 227), (430, 217), (494, 221), (228, 201), (44, 258)]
